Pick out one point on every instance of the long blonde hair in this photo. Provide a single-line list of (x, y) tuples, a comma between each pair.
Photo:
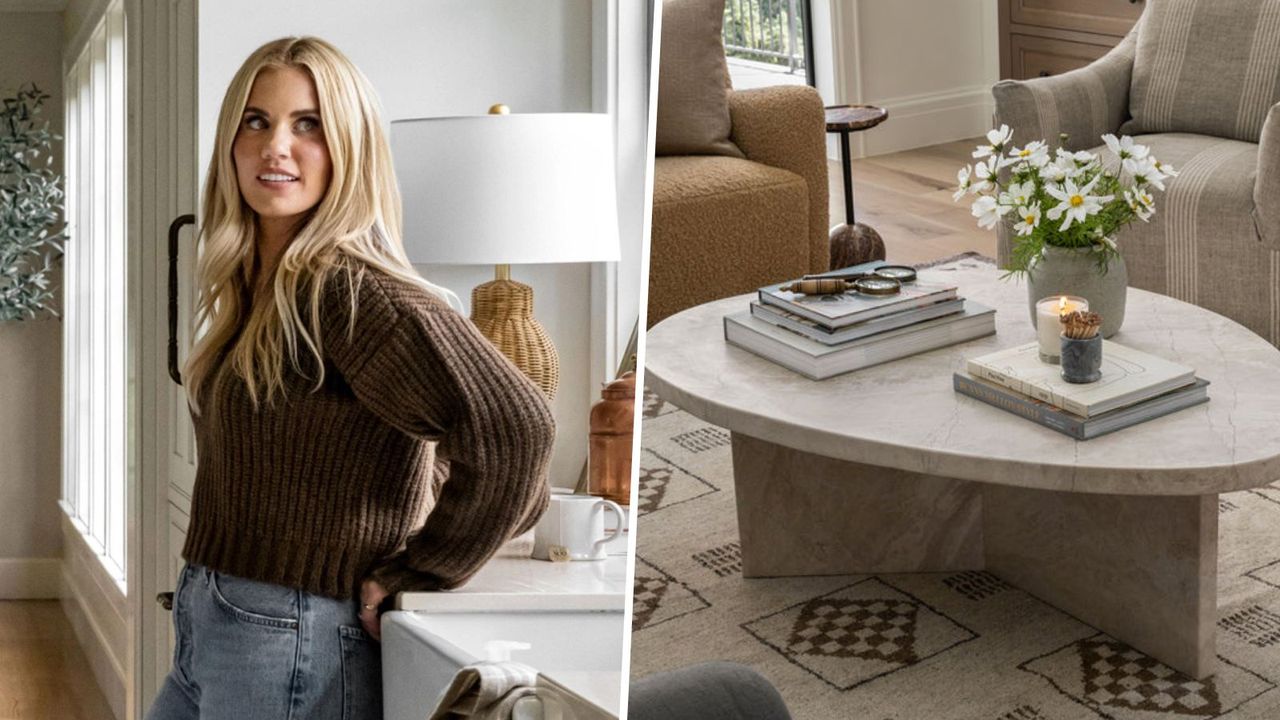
[(355, 225)]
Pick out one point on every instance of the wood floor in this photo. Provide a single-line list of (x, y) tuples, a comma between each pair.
[(43, 672), (906, 197)]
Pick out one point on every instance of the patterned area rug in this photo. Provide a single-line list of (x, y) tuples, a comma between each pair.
[(927, 646)]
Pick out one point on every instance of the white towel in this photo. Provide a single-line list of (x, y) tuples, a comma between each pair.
[(491, 690)]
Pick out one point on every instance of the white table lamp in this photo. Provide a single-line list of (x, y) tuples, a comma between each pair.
[(504, 189)]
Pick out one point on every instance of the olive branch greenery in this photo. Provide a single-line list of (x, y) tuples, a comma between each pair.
[(31, 204)]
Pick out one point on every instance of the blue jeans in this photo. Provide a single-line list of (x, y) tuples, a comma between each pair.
[(249, 650)]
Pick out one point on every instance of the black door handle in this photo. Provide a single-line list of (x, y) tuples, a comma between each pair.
[(174, 228)]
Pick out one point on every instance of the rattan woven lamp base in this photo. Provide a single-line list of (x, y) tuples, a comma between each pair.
[(503, 310)]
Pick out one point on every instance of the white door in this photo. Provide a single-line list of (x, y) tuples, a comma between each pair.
[(163, 172)]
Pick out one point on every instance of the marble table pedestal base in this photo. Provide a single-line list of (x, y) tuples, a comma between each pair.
[(1142, 569)]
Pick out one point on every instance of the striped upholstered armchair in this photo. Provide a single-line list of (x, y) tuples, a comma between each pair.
[(1199, 82)]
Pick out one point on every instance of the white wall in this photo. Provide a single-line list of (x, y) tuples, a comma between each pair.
[(448, 57), (31, 359), (931, 63)]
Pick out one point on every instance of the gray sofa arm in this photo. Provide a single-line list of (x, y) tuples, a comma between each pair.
[(1085, 104), (1266, 191), (709, 691)]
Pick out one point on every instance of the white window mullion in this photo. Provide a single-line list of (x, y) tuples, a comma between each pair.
[(116, 288), (98, 311), (70, 283), (84, 357)]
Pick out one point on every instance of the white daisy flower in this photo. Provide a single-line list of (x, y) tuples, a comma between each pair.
[(1075, 202), (989, 211), (1053, 172), (1167, 170), (1141, 202), (997, 140), (985, 176), (1028, 219), (1146, 173), (1018, 194), (1127, 150), (965, 181), (1036, 153)]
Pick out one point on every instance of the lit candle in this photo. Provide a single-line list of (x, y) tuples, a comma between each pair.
[(1049, 312)]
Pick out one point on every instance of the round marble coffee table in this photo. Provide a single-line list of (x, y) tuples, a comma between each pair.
[(888, 469)]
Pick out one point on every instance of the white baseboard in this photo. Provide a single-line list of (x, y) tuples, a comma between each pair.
[(922, 120), (97, 609), (30, 578)]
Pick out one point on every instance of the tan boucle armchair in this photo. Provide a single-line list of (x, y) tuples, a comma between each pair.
[(724, 226)]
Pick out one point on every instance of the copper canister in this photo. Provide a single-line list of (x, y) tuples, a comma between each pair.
[(612, 422)]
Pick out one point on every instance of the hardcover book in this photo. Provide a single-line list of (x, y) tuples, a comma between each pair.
[(1128, 376), (1081, 428), (840, 310), (827, 336), (817, 361)]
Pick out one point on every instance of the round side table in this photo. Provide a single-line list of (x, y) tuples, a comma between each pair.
[(852, 242)]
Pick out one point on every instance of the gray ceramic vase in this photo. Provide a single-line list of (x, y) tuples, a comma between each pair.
[(1074, 271)]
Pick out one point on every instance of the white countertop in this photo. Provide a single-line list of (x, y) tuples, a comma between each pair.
[(512, 579)]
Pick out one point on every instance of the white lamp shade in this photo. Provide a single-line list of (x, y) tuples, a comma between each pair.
[(507, 189)]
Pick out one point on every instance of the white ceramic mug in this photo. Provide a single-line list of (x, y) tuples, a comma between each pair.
[(573, 528)]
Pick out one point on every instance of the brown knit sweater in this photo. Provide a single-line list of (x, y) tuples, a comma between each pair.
[(424, 450)]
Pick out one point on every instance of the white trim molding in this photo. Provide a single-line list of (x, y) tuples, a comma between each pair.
[(929, 119), (30, 578), (98, 612)]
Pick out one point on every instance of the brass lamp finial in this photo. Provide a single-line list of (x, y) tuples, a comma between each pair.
[(499, 109)]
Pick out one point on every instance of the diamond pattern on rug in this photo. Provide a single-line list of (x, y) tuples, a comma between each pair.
[(1119, 676), (723, 561), (702, 439), (1118, 682), (1255, 624), (663, 483), (659, 597), (655, 406), (857, 633), (841, 627), (976, 584)]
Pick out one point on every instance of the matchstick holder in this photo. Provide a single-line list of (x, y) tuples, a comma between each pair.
[(1081, 359)]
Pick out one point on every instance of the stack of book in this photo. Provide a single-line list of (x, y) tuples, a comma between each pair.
[(1135, 387), (820, 336)]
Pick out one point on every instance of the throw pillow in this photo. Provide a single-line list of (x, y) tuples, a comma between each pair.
[(693, 81), (1206, 66)]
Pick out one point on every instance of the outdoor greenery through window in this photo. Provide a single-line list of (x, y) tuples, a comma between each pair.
[(771, 32), (94, 369)]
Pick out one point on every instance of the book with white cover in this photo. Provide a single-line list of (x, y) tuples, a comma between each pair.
[(841, 309), (1128, 376), (817, 361), (827, 336)]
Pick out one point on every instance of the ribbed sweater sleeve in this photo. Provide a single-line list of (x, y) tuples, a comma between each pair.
[(427, 371)]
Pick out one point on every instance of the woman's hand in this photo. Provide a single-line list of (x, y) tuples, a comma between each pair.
[(371, 596)]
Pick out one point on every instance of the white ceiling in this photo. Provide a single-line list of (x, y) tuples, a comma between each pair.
[(32, 5)]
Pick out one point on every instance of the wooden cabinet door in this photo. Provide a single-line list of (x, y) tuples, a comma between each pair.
[(1032, 56), (1107, 17)]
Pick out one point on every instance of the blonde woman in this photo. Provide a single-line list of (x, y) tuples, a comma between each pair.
[(332, 393)]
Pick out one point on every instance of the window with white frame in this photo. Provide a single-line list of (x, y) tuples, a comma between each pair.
[(94, 362)]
